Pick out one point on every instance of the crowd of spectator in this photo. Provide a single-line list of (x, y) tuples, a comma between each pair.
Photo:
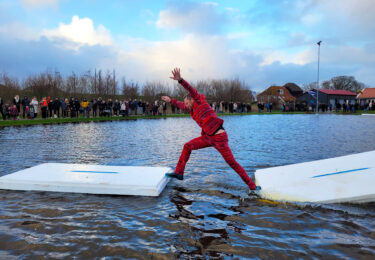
[(99, 107), (261, 106), (56, 108), (345, 107)]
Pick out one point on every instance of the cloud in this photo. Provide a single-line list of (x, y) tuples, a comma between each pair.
[(18, 30), (22, 58), (353, 13), (148, 16), (78, 33), (335, 20), (202, 50), (200, 57), (277, 13), (192, 17), (39, 3)]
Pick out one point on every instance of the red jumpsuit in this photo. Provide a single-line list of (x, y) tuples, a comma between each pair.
[(207, 119)]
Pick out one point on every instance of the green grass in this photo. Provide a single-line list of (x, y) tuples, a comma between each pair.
[(40, 121)]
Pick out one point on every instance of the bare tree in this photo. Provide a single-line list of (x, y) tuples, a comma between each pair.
[(220, 90), (309, 86), (100, 83), (154, 90), (107, 82), (52, 83), (343, 83), (9, 87), (218, 87), (9, 82), (149, 91), (130, 90), (71, 83), (114, 83)]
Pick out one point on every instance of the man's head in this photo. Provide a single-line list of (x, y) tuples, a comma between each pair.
[(188, 102)]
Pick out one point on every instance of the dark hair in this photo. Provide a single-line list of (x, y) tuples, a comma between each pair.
[(187, 97)]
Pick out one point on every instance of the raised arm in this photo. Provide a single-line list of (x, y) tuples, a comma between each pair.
[(176, 103), (192, 91)]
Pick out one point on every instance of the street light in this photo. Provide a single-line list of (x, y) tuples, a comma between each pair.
[(317, 81)]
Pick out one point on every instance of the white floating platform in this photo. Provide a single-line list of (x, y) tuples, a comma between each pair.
[(93, 179), (368, 114), (348, 178)]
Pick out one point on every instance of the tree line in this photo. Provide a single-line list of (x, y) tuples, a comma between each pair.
[(105, 84), (339, 83)]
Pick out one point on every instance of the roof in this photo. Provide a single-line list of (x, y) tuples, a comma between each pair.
[(307, 96), (275, 91), (367, 93), (293, 88), (337, 92)]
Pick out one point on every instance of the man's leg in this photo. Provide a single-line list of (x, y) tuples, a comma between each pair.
[(195, 144), (23, 112), (221, 144)]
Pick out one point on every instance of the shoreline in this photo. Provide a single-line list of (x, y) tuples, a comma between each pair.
[(40, 121)]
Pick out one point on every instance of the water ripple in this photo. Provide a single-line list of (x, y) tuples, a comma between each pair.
[(208, 215)]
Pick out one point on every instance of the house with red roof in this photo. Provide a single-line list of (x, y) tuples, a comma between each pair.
[(335, 96), (367, 95), (280, 95), (328, 99), (366, 99), (274, 94)]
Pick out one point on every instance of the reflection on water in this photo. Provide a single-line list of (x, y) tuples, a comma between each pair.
[(209, 214)]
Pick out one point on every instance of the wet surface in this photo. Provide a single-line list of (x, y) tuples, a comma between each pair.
[(208, 215)]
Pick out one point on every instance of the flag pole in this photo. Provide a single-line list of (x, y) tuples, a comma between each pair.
[(317, 81)]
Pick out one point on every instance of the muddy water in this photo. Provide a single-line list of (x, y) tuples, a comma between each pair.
[(208, 215)]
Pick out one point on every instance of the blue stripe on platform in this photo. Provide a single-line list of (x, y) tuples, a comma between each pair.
[(333, 173), (96, 172)]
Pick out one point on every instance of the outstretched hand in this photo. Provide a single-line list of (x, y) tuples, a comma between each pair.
[(176, 74), (166, 99)]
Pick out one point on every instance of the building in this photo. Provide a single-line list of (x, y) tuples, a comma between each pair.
[(254, 93), (293, 89), (333, 97), (328, 98), (306, 101), (366, 96), (277, 96)]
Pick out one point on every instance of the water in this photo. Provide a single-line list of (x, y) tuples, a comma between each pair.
[(208, 215)]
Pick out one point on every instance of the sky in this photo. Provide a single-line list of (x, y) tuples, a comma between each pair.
[(260, 42)]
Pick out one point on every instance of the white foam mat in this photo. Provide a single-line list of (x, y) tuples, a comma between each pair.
[(92, 179), (348, 178)]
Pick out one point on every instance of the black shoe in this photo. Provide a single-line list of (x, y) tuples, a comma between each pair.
[(174, 175), (255, 193)]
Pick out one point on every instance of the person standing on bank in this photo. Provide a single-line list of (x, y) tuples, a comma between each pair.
[(25, 103), (17, 102), (56, 104), (44, 107), (35, 104), (213, 133), (1, 108)]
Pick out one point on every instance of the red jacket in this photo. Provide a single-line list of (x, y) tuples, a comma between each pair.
[(202, 112), (43, 103)]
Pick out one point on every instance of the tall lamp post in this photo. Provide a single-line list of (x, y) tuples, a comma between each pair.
[(317, 81)]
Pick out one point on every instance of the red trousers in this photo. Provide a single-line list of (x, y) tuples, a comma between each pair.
[(220, 142)]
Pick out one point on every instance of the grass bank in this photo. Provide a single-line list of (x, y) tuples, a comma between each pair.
[(40, 121)]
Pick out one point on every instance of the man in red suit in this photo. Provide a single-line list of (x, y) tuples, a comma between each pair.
[(213, 133)]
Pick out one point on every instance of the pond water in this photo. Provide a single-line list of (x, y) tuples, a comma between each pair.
[(208, 215)]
